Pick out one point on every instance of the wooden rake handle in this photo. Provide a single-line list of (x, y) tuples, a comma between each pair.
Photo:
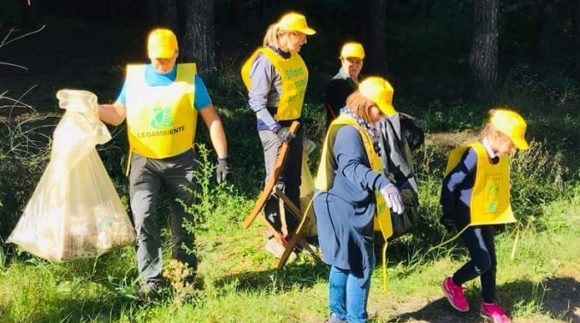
[(280, 162)]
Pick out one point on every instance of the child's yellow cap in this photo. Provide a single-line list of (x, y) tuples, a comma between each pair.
[(512, 125)]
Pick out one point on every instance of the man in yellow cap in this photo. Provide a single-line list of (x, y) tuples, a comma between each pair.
[(161, 102), (345, 81)]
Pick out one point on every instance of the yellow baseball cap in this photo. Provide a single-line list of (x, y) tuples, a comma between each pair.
[(295, 22), (380, 91), (161, 43), (352, 50), (512, 125)]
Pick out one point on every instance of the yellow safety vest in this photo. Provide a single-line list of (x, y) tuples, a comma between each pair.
[(294, 76), (161, 120), (490, 199), (325, 176)]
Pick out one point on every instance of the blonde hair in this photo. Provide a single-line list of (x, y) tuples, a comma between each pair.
[(360, 105), (490, 130), (272, 36)]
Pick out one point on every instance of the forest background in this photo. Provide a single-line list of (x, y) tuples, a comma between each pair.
[(449, 62)]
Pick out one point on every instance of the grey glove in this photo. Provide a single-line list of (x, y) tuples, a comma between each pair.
[(393, 198), (284, 134), (222, 169)]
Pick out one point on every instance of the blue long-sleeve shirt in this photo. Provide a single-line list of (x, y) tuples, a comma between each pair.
[(345, 212), (457, 186), (354, 181)]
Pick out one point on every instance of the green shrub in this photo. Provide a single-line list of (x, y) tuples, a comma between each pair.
[(456, 116)]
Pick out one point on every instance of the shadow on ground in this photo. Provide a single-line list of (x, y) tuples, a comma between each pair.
[(557, 297), (293, 276)]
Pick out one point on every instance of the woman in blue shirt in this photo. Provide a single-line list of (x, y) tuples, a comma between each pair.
[(349, 176)]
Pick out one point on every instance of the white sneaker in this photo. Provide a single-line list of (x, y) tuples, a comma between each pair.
[(275, 248)]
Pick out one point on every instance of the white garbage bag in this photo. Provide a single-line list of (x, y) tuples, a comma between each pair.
[(74, 211), (307, 188)]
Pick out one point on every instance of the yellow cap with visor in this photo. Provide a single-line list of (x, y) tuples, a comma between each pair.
[(380, 91), (355, 50), (512, 125), (161, 43), (295, 22)]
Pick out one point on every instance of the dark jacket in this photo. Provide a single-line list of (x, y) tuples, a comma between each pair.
[(337, 90), (345, 212), (456, 191)]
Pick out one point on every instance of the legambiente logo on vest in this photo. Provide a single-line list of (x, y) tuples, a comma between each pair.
[(162, 119)]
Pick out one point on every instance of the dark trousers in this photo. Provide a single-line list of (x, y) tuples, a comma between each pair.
[(290, 178), (483, 263), (147, 177)]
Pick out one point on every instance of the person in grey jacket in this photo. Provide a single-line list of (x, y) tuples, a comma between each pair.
[(276, 78)]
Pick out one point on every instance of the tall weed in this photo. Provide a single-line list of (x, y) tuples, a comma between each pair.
[(537, 178), (23, 155), (216, 207)]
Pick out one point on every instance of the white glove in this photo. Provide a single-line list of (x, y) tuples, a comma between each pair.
[(393, 198)]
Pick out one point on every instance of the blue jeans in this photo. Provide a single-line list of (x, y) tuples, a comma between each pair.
[(348, 295), (483, 262)]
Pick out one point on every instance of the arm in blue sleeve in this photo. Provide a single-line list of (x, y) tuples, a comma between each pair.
[(353, 162), (122, 98), (202, 98), (262, 75), (455, 178)]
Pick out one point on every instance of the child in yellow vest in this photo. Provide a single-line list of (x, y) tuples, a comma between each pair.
[(475, 195)]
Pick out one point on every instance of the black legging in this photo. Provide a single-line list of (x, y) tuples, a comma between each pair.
[(479, 242)]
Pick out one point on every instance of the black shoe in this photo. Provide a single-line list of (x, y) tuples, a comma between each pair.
[(149, 291)]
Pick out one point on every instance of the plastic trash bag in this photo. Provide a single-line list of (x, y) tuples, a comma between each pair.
[(74, 211), (307, 188)]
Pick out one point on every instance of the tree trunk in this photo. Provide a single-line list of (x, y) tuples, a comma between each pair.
[(164, 13), (234, 13), (547, 11), (484, 47), (375, 36), (577, 38), (197, 18)]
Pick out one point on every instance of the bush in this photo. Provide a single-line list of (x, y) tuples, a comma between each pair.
[(456, 116), (23, 156)]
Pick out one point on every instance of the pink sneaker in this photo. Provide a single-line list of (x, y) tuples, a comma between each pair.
[(494, 313), (455, 295)]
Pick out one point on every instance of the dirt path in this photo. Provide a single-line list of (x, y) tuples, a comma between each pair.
[(561, 301)]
